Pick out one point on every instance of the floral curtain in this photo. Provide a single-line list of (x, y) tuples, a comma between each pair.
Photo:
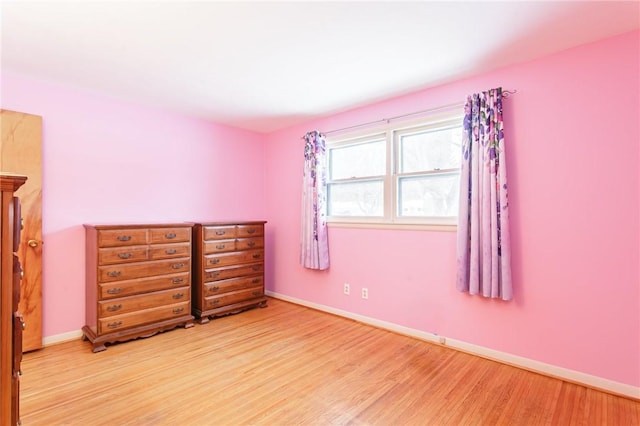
[(314, 245), (484, 249)]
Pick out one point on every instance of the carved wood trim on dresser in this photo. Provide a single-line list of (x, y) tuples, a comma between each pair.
[(228, 268), (138, 281), (11, 322)]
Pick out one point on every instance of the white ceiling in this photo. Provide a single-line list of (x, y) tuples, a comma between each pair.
[(268, 65)]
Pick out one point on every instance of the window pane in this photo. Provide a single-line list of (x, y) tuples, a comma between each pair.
[(430, 150), (356, 199), (361, 160), (433, 195)]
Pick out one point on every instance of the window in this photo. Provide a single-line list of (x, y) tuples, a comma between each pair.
[(400, 174), (356, 178)]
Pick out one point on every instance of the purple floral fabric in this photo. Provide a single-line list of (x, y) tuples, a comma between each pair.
[(484, 248), (314, 244)]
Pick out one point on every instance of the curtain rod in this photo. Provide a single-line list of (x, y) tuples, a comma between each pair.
[(505, 94)]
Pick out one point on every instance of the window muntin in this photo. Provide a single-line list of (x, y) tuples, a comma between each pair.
[(399, 174)]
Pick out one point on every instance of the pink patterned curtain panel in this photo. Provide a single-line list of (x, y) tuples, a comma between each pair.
[(314, 244), (484, 250)]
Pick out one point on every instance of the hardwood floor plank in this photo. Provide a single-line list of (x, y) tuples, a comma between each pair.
[(289, 364)]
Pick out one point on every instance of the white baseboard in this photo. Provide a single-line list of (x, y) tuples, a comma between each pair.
[(565, 374), (61, 338)]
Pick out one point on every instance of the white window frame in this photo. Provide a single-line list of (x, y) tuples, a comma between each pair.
[(390, 132)]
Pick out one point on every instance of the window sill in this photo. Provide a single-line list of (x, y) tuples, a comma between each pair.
[(394, 226)]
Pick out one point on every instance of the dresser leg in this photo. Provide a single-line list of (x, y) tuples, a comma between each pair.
[(99, 348)]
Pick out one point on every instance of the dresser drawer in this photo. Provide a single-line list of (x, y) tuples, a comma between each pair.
[(122, 237), (233, 297), (169, 235), (218, 232), (249, 243), (217, 260), (244, 231), (226, 286), (234, 272), (124, 321), (109, 256), (167, 251), (125, 305), (143, 269), (220, 246), (142, 285)]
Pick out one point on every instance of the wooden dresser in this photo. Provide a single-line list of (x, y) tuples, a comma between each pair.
[(11, 323), (228, 268), (138, 281)]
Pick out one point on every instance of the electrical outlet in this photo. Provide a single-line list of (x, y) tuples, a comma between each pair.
[(347, 289), (365, 293)]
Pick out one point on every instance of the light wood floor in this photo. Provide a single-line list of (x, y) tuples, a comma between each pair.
[(288, 364)]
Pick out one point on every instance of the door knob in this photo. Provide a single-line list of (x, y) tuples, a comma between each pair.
[(33, 243)]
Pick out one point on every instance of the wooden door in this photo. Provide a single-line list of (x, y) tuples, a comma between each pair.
[(21, 152)]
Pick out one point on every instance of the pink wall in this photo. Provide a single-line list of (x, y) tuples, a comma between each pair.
[(106, 161), (572, 137)]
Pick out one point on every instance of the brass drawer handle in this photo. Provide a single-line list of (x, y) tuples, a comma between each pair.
[(213, 274), (124, 255), (170, 251), (214, 302), (257, 256), (178, 296), (114, 274), (214, 289), (177, 280), (178, 310), (256, 267), (116, 290), (257, 293), (220, 246), (251, 243), (177, 265), (255, 281), (170, 236), (214, 261), (251, 231), (114, 308), (115, 324), (124, 238), (220, 232)]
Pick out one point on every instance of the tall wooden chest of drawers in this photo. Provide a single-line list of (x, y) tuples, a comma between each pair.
[(138, 281), (229, 268), (11, 322)]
